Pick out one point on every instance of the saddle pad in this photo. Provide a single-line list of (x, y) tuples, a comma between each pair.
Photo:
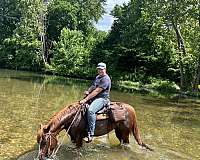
[(102, 116), (118, 112)]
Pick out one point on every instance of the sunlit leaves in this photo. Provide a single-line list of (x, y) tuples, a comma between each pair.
[(69, 52), (72, 14)]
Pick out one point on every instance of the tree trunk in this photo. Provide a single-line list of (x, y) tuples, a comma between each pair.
[(182, 52), (196, 76), (43, 48), (197, 72), (43, 31)]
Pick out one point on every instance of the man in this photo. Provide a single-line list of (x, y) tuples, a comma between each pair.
[(98, 93)]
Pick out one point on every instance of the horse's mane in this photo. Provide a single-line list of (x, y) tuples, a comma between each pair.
[(66, 110), (61, 116)]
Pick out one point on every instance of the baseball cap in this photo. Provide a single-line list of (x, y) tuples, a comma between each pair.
[(101, 65)]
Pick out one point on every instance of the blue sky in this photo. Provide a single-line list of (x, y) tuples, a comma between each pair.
[(107, 20)]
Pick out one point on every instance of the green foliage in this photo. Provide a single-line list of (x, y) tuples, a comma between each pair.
[(135, 86), (61, 14), (156, 87), (72, 14), (22, 48), (70, 52), (26, 37), (9, 17), (169, 17), (143, 40), (22, 22), (129, 47), (163, 86), (143, 46)]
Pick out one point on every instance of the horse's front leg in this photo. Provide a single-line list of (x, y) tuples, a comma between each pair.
[(73, 139), (79, 141)]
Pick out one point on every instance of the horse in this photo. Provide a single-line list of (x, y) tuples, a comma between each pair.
[(71, 119)]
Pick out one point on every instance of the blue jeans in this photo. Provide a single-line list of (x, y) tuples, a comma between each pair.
[(94, 107)]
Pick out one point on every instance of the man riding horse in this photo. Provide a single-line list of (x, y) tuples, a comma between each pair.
[(72, 119), (98, 93)]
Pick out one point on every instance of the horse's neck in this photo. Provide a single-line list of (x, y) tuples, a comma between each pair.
[(62, 122), (67, 119)]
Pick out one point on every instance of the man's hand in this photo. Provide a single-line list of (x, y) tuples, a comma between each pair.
[(86, 93), (91, 95), (83, 101)]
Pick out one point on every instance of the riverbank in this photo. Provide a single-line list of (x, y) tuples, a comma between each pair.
[(157, 88)]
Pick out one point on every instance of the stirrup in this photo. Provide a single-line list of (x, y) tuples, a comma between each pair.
[(88, 139)]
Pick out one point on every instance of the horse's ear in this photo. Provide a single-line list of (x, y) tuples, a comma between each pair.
[(46, 128), (39, 133)]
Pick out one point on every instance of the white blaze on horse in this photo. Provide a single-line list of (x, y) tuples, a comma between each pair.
[(73, 119)]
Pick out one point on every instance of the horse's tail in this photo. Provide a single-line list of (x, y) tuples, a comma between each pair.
[(136, 131)]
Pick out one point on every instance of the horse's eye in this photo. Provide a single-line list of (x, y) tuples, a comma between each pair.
[(43, 142)]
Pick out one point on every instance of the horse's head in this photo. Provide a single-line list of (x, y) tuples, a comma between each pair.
[(47, 142)]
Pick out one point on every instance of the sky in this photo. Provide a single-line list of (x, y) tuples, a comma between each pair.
[(106, 21)]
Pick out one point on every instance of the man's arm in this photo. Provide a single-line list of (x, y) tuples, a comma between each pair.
[(91, 95), (91, 88)]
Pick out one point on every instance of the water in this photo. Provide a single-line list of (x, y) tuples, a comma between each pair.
[(171, 128)]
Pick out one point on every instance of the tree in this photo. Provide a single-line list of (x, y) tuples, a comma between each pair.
[(178, 21), (195, 38), (24, 46), (69, 53), (155, 38), (128, 46), (9, 18), (72, 14)]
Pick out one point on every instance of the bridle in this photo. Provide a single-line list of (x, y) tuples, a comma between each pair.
[(48, 138), (49, 135)]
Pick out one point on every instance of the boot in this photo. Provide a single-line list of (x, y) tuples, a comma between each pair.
[(89, 138)]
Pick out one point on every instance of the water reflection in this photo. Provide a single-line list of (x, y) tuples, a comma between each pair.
[(26, 99)]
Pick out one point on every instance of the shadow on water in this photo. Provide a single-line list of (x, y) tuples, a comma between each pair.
[(88, 152), (32, 79), (185, 121), (181, 103), (106, 152), (103, 147), (49, 80)]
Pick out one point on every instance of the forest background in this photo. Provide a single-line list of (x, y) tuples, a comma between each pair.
[(152, 45)]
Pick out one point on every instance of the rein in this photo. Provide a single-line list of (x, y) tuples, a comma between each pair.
[(49, 135)]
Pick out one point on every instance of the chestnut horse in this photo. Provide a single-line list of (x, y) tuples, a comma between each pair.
[(47, 134)]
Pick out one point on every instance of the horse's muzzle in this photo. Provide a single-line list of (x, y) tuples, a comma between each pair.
[(42, 156)]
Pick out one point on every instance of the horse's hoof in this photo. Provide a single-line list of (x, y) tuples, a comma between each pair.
[(125, 146)]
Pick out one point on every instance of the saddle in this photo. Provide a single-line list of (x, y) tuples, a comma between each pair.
[(113, 111)]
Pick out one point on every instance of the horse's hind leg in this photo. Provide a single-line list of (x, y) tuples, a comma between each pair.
[(122, 134), (125, 137), (118, 134)]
